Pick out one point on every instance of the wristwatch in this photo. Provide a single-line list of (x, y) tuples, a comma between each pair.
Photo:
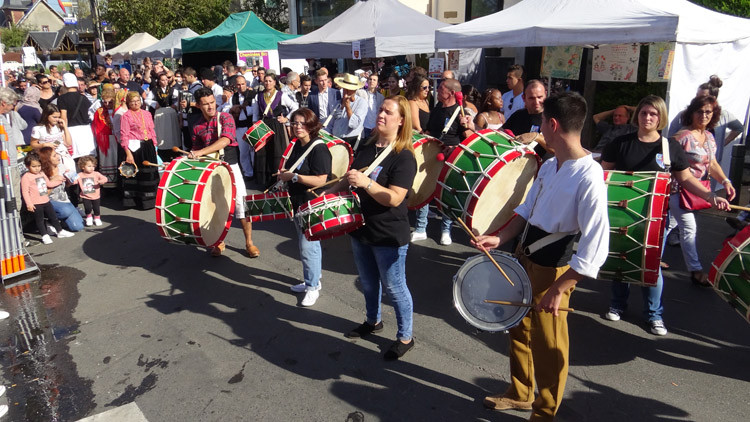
[(295, 178)]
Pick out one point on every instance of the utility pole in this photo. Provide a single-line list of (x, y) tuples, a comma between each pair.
[(98, 31)]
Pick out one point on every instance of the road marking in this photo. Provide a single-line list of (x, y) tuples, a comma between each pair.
[(126, 413)]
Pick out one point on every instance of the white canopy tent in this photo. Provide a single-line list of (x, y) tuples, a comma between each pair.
[(383, 28), (169, 46), (135, 42), (707, 42)]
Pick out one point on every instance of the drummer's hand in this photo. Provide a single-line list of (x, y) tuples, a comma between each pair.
[(550, 302), (194, 154), (357, 179), (467, 122), (282, 119), (719, 203), (731, 192), (285, 175), (486, 242)]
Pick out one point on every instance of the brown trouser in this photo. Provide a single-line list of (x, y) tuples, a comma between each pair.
[(539, 348)]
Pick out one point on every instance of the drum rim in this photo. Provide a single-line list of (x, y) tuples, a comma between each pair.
[(315, 201), (354, 221), (728, 253), (470, 319), (232, 202)]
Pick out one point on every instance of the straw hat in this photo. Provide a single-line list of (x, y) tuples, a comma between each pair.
[(349, 81)]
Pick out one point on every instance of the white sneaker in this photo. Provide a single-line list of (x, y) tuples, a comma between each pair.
[(97, 221), (445, 239), (417, 236), (89, 221), (614, 314), (4, 315), (46, 239), (311, 297), (65, 233), (3, 410), (51, 229), (2, 390), (658, 328)]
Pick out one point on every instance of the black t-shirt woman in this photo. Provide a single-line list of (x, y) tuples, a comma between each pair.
[(314, 170), (380, 246)]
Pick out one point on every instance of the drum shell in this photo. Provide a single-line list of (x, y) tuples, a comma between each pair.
[(257, 135), (269, 206), (195, 202), (729, 275), (478, 280), (342, 155), (330, 216), (637, 204)]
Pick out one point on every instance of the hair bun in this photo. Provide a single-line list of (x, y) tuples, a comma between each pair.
[(715, 81)]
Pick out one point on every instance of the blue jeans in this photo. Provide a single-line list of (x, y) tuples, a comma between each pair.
[(652, 305), (69, 215), (685, 220), (421, 224), (386, 264), (312, 257)]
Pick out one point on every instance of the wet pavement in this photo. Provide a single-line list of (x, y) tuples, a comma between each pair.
[(120, 318)]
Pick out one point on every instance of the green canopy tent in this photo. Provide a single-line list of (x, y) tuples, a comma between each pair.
[(240, 36)]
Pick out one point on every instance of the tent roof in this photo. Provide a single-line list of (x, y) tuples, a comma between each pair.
[(581, 22), (169, 46), (383, 27), (135, 42), (239, 31)]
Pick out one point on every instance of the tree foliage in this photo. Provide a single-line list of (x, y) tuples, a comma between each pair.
[(159, 18), (13, 36), (275, 13), (739, 8)]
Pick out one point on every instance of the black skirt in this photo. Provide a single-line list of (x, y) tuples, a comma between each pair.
[(140, 190)]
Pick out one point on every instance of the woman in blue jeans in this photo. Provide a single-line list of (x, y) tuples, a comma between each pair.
[(313, 169), (380, 245), (642, 151), (66, 212)]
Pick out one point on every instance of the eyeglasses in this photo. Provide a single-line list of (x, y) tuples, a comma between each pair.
[(43, 82), (295, 124), (704, 112), (425, 88)]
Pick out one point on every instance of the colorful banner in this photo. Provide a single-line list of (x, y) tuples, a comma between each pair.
[(616, 62), (660, 58), (254, 58), (436, 68), (562, 62)]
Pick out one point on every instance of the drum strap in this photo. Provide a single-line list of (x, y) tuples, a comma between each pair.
[(379, 159), (545, 241), (665, 153), (303, 156)]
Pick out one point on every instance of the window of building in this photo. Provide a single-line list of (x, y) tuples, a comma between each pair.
[(45, 28), (479, 8), (313, 14)]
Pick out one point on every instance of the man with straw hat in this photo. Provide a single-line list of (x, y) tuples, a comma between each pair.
[(348, 118)]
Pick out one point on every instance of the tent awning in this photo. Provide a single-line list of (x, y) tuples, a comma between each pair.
[(169, 46), (135, 42), (383, 27), (239, 31)]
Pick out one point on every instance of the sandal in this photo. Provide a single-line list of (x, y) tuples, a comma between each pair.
[(699, 279)]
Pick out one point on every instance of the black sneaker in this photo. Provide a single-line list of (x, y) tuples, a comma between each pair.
[(365, 329), (398, 349)]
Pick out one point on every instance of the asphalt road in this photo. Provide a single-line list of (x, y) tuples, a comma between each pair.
[(120, 317)]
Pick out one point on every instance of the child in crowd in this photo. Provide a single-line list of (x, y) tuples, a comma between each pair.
[(34, 185), (90, 182)]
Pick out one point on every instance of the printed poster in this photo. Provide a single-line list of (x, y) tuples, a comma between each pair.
[(562, 62), (616, 63), (660, 59), (436, 68), (254, 58), (356, 52), (453, 59)]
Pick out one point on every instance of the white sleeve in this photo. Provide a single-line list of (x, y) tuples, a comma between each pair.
[(593, 220), (289, 103)]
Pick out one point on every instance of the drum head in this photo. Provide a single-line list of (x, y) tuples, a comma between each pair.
[(478, 280), (216, 204), (428, 170), (341, 158)]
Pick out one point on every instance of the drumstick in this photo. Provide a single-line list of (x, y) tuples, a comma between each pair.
[(524, 305), (203, 157), (182, 151), (148, 163), (486, 252), (338, 179), (737, 207)]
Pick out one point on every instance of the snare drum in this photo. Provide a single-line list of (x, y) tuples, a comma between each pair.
[(485, 178), (258, 135), (330, 215), (637, 206), (195, 202), (341, 154), (269, 206), (426, 150), (729, 273), (478, 280)]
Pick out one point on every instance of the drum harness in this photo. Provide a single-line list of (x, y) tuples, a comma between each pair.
[(277, 186)]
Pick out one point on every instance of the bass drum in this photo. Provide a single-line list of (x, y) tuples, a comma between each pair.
[(729, 273), (478, 280), (342, 155), (426, 151)]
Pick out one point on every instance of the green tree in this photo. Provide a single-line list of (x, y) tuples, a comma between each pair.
[(128, 17), (739, 8), (275, 13), (13, 36)]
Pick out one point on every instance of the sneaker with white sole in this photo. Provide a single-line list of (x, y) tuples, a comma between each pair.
[(89, 220), (417, 236), (302, 287), (4, 315), (65, 233), (614, 314), (658, 328), (97, 221), (46, 239), (445, 239), (51, 229), (311, 296)]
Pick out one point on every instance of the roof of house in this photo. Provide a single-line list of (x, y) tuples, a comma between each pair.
[(50, 40), (32, 8), (16, 4)]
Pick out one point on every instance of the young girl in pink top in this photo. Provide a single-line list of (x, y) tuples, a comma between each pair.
[(34, 189), (90, 183)]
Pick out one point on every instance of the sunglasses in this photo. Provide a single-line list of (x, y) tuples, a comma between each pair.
[(44, 82), (425, 88), (295, 124)]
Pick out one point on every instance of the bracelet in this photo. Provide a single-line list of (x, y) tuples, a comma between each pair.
[(368, 185), (726, 181)]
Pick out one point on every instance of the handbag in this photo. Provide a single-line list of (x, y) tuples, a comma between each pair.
[(692, 202)]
